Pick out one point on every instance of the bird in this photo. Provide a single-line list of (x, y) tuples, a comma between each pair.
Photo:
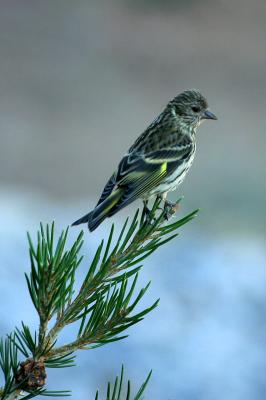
[(158, 160)]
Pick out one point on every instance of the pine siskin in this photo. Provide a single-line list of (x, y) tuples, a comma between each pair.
[(158, 161)]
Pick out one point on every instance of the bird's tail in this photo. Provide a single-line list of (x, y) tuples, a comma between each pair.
[(102, 211), (83, 219)]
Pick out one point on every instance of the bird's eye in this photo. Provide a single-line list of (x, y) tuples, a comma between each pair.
[(195, 109)]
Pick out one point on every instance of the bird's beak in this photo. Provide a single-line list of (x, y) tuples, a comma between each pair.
[(208, 115)]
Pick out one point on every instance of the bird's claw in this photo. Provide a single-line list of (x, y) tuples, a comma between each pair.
[(170, 209)]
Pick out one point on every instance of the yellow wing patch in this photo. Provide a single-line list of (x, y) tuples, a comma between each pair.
[(163, 167)]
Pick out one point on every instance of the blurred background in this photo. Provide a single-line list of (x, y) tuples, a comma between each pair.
[(79, 81)]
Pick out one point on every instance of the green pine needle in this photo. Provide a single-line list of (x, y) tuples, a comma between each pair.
[(114, 392)]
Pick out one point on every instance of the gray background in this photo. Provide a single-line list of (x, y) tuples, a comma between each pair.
[(79, 81)]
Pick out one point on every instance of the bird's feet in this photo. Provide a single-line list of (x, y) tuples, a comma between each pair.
[(170, 208)]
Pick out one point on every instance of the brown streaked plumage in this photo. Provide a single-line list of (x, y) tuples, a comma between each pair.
[(158, 160)]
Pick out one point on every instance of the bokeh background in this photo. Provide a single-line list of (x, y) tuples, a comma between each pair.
[(79, 81)]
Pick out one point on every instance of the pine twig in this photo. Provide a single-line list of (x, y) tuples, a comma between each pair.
[(103, 305)]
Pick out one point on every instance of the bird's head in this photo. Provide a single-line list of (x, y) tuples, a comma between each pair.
[(191, 108)]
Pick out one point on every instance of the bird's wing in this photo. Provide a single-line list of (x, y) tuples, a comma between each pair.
[(151, 148), (108, 188), (138, 174)]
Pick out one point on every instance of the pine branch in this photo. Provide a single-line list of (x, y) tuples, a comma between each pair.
[(104, 305), (141, 240)]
